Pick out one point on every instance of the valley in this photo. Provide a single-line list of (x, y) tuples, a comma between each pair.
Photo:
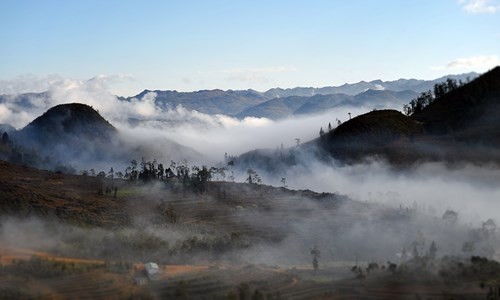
[(232, 241)]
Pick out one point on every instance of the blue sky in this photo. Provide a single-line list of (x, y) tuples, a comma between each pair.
[(191, 45)]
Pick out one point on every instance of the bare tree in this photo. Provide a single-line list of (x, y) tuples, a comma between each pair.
[(315, 254)]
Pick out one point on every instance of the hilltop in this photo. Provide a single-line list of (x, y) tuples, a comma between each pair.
[(67, 121), (377, 132), (64, 134), (460, 125), (75, 135)]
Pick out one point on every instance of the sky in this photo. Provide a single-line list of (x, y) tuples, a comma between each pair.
[(229, 44)]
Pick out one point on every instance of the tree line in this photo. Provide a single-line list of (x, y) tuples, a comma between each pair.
[(418, 104)]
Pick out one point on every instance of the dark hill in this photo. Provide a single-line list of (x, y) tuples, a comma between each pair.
[(69, 120), (462, 125), (68, 129), (377, 132), (469, 113)]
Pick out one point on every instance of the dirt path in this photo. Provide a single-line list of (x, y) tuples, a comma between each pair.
[(294, 282), (8, 255)]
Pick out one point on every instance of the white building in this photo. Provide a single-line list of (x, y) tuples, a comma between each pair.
[(152, 271)]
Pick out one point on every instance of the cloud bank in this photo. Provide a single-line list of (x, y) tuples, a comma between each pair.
[(472, 63), (212, 135), (480, 6)]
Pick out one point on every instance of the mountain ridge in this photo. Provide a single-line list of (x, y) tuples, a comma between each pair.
[(239, 103)]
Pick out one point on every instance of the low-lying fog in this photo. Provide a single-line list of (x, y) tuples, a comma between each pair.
[(431, 189)]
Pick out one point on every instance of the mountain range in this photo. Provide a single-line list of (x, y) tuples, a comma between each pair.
[(445, 129), (280, 103), (276, 103)]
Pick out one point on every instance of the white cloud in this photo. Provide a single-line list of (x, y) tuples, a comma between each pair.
[(480, 6), (472, 63), (28, 83)]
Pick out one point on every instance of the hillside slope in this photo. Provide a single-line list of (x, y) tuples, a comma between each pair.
[(469, 113), (383, 132), (69, 130), (461, 125)]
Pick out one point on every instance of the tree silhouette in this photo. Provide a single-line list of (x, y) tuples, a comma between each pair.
[(432, 250), (253, 177), (5, 138), (315, 254), (283, 180), (321, 131)]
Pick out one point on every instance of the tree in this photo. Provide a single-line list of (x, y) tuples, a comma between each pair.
[(440, 89), (283, 180), (451, 84), (222, 173), (432, 250), (407, 109), (450, 216), (253, 177), (404, 256), (204, 176), (321, 131), (131, 172), (5, 138), (315, 254), (329, 127), (111, 173)]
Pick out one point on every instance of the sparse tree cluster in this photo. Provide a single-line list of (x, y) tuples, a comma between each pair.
[(329, 127), (253, 177), (426, 98)]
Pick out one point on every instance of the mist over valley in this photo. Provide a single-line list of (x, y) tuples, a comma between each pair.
[(261, 150), (218, 191)]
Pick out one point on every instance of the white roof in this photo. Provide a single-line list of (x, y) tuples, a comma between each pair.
[(152, 267)]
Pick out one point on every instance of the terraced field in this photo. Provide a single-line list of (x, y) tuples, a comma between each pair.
[(91, 245)]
